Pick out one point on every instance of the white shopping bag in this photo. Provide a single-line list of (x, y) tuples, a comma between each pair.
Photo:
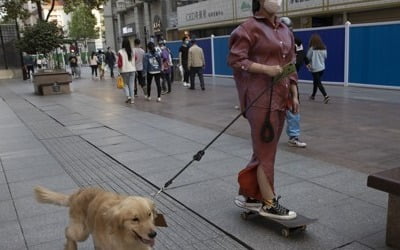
[(181, 70)]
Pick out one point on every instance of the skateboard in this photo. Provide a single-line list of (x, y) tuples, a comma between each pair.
[(287, 227)]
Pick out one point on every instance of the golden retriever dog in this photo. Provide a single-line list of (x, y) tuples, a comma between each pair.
[(116, 222)]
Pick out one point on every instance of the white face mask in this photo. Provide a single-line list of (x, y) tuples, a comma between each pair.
[(272, 6)]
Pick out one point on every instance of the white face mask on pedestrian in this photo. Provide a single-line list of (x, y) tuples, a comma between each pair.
[(272, 6)]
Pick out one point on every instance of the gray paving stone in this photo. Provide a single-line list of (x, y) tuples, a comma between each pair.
[(308, 198), (355, 246), (128, 146), (4, 192), (108, 141), (376, 241), (28, 152), (306, 168), (225, 167), (346, 181), (172, 145), (29, 161), (149, 166), (198, 195), (353, 217), (11, 236), (7, 211), (30, 173), (190, 175), (59, 244), (2, 177), (56, 183), (375, 197), (138, 155), (28, 207)]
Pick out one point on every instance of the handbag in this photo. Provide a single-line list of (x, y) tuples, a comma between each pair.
[(120, 82)]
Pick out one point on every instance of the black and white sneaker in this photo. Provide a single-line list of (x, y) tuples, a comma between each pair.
[(246, 202), (276, 211)]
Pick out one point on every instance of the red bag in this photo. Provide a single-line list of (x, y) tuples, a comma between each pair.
[(119, 60)]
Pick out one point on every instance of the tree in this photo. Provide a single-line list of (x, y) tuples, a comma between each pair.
[(83, 24), (41, 38), (14, 9)]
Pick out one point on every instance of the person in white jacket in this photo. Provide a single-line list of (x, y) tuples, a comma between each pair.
[(317, 55), (127, 69)]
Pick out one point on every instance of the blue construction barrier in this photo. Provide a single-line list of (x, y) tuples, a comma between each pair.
[(221, 48), (375, 54), (334, 64)]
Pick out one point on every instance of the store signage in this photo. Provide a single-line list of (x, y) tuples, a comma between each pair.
[(210, 11), (157, 24), (129, 29)]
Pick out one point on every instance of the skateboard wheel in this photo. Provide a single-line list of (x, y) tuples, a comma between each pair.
[(244, 216), (285, 232)]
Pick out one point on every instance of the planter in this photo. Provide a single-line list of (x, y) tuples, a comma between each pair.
[(52, 82)]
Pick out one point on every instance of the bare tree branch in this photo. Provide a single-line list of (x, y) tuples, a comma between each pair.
[(53, 2)]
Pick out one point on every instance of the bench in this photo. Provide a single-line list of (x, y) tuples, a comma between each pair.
[(389, 181), (52, 82)]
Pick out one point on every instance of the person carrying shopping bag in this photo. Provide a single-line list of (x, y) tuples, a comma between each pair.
[(127, 69)]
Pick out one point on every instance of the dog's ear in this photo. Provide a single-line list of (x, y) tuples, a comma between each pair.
[(152, 207)]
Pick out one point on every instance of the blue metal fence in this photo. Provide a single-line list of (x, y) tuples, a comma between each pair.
[(373, 54)]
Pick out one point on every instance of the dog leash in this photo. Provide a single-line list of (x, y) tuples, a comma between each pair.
[(287, 70)]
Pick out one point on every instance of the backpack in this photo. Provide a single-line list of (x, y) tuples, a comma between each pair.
[(154, 62)]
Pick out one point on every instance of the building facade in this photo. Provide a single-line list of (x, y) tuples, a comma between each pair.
[(172, 19), (220, 17), (144, 19)]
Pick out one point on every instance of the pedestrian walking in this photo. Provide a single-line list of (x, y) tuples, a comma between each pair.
[(73, 64), (196, 64), (166, 62), (139, 78), (317, 55), (126, 66), (293, 119), (110, 61), (79, 68), (29, 63), (152, 69), (183, 60), (93, 62), (259, 48), (101, 63)]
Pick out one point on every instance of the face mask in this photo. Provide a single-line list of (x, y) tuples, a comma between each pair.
[(272, 6), (186, 42)]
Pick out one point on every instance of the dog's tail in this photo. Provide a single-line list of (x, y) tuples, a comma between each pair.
[(44, 195)]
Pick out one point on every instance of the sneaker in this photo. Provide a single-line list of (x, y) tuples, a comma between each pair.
[(295, 142), (247, 202), (163, 92), (135, 95), (132, 101), (276, 211), (128, 99), (326, 99), (159, 99), (312, 98), (148, 98)]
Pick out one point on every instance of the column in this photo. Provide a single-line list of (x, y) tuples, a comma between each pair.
[(147, 17)]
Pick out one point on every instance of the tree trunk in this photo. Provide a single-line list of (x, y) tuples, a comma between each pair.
[(39, 9), (53, 2)]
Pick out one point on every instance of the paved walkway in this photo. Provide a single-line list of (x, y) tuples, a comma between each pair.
[(92, 137)]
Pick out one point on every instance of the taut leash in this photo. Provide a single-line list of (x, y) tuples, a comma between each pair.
[(287, 70)]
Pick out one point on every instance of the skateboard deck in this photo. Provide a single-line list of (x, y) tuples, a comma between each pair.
[(288, 227)]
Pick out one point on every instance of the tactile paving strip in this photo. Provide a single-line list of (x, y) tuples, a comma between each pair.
[(89, 166)]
